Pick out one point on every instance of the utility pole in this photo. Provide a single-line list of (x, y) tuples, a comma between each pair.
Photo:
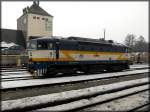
[(104, 34)]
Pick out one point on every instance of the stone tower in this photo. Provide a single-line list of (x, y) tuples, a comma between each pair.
[(35, 22)]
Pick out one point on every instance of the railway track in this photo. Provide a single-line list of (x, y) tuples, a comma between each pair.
[(11, 69), (18, 73), (27, 91), (131, 103), (76, 100), (13, 89), (84, 103), (13, 76)]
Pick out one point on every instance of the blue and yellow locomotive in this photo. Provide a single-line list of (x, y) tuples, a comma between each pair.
[(51, 55)]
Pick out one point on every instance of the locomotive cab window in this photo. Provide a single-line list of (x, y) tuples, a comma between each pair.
[(42, 45), (50, 45), (31, 45)]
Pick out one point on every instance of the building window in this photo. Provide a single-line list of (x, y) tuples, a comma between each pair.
[(48, 25), (43, 18), (24, 21), (46, 19), (38, 17), (34, 17)]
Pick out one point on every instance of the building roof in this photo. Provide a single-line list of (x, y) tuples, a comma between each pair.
[(13, 36), (36, 9)]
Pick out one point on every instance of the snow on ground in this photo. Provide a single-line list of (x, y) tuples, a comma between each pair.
[(43, 99), (5, 44), (15, 72), (139, 66), (12, 70), (123, 104), (15, 84), (145, 108), (93, 100), (15, 76)]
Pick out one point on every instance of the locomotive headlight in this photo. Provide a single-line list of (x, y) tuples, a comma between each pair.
[(29, 54)]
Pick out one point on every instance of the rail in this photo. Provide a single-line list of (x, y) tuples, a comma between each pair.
[(77, 99)]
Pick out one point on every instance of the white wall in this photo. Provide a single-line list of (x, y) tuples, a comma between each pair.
[(22, 24), (39, 27)]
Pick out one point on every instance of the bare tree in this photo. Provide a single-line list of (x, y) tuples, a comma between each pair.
[(140, 45), (130, 40)]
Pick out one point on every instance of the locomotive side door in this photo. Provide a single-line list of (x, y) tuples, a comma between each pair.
[(57, 50), (51, 48)]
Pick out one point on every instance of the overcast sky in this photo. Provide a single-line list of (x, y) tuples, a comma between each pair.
[(87, 19)]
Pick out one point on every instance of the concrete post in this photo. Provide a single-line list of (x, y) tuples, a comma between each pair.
[(18, 61)]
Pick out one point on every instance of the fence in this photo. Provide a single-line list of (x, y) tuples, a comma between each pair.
[(140, 57), (14, 60)]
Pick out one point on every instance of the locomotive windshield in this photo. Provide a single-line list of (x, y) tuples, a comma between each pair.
[(31, 45), (40, 45), (44, 45)]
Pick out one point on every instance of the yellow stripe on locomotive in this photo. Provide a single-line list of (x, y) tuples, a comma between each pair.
[(68, 55)]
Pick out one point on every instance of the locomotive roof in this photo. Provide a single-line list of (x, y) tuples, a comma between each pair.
[(79, 39)]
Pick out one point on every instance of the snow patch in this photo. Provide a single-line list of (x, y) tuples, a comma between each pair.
[(93, 100), (51, 98), (5, 44), (15, 84), (123, 104)]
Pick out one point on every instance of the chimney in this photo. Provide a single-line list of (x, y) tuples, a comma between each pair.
[(36, 2), (24, 11)]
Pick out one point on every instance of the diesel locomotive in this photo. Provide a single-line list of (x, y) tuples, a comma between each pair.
[(52, 55)]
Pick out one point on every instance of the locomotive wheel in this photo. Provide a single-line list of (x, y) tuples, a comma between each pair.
[(116, 68), (34, 75), (92, 69), (38, 73), (50, 73), (70, 71)]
